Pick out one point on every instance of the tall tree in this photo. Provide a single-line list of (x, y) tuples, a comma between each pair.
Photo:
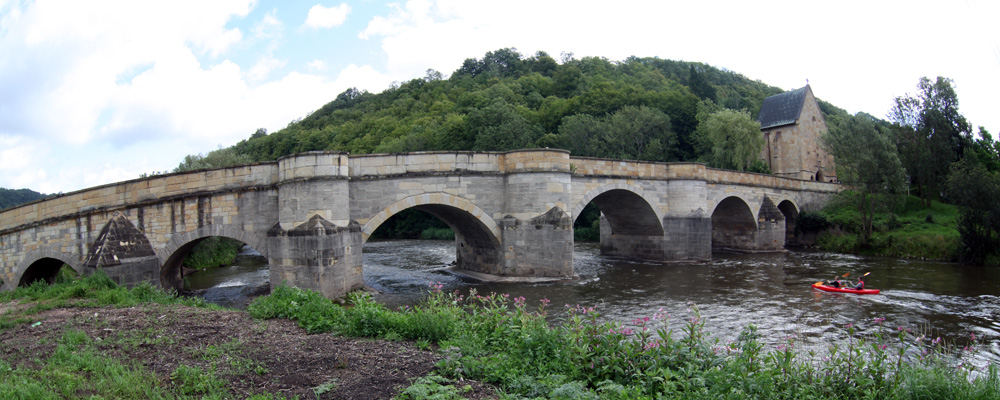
[(733, 139), (868, 163), (639, 133), (975, 190), (930, 133)]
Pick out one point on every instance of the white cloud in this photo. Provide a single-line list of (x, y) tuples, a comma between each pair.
[(317, 65), (263, 68), (327, 17)]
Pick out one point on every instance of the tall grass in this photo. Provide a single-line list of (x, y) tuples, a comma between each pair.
[(504, 341)]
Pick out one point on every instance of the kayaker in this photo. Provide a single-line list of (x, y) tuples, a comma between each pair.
[(834, 283), (860, 285)]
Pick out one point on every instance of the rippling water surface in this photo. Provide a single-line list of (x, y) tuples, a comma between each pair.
[(771, 291)]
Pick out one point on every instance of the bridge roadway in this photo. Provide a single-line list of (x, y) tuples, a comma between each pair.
[(310, 214)]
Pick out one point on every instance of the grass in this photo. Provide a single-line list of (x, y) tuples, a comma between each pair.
[(77, 368), (911, 231), (503, 341), (71, 370)]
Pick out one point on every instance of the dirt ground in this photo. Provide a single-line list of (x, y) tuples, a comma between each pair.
[(253, 356)]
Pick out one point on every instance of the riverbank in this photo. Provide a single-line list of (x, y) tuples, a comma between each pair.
[(913, 231), (87, 337)]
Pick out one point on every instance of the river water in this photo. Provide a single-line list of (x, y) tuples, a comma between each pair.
[(771, 291)]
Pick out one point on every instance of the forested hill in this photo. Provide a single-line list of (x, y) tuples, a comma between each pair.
[(639, 108), (12, 197)]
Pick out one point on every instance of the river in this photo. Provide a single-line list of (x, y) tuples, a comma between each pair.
[(771, 291)]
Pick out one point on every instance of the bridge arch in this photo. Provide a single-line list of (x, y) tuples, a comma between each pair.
[(43, 265), (733, 225), (477, 235), (172, 254), (791, 212), (626, 209), (434, 204)]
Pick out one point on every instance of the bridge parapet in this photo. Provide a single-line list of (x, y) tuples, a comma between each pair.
[(723, 176), (636, 169), (313, 164), (139, 192), (434, 162)]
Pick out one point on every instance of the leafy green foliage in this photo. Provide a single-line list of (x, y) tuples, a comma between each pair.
[(640, 108), (12, 197), (868, 163), (903, 232), (732, 138), (976, 190), (412, 223), (930, 133), (213, 252)]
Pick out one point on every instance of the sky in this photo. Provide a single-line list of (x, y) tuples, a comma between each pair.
[(95, 92)]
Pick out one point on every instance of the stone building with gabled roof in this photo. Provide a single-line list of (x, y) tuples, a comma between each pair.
[(792, 124)]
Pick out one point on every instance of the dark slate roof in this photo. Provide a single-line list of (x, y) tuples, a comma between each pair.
[(782, 109)]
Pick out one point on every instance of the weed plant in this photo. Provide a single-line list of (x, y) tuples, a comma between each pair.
[(506, 342)]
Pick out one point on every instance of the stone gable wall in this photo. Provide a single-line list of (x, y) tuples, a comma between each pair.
[(796, 151)]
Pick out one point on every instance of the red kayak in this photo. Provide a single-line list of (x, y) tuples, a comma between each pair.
[(825, 288)]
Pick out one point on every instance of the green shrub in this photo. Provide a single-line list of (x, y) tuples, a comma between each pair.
[(437, 234), (587, 234), (811, 222)]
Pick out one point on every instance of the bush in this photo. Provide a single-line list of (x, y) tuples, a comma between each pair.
[(437, 234), (811, 222)]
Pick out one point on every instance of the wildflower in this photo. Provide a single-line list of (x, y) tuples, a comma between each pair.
[(849, 326), (879, 320), (545, 302), (973, 336), (936, 340), (883, 346)]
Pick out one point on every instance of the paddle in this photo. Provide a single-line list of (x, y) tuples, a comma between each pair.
[(842, 276)]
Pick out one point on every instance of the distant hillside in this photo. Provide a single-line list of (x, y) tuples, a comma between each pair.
[(639, 108), (11, 197)]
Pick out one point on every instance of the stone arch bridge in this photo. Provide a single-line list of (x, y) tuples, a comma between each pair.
[(311, 213)]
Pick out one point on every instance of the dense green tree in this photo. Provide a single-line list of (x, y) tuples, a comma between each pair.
[(985, 151), (699, 84), (500, 127), (223, 157), (639, 133), (975, 190), (579, 134), (733, 139), (868, 163), (930, 133), (12, 197), (504, 101)]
